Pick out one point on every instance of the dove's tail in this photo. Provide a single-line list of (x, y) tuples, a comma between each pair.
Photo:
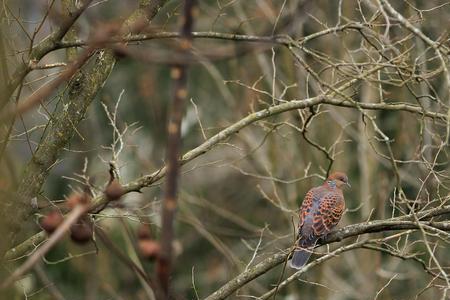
[(300, 258)]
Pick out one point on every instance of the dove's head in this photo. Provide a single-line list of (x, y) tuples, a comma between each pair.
[(339, 178)]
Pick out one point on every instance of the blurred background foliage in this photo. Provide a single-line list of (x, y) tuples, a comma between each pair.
[(238, 202)]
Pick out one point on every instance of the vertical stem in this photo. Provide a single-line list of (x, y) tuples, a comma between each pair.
[(179, 76)]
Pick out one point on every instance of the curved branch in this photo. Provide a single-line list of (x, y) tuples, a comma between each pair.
[(335, 236), (364, 245), (311, 265), (276, 39)]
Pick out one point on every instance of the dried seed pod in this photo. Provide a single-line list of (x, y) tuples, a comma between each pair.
[(114, 190), (119, 53), (144, 232), (81, 232), (76, 199), (149, 248), (51, 221)]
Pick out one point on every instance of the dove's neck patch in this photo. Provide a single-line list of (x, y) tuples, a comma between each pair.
[(331, 184)]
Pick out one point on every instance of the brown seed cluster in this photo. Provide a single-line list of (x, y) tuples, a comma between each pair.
[(114, 190), (80, 232), (51, 221), (148, 247), (77, 199)]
